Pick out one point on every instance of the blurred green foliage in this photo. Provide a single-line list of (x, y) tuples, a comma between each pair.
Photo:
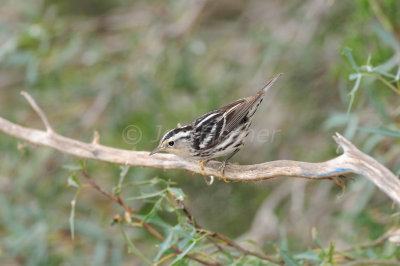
[(107, 65)]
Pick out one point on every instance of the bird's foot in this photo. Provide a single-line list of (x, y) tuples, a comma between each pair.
[(221, 171), (202, 164), (339, 180)]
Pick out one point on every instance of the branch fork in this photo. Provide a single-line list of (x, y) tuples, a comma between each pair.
[(352, 161)]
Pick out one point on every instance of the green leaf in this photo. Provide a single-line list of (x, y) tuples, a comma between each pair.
[(331, 252), (154, 210), (308, 255), (164, 246), (72, 167), (124, 171), (254, 243), (82, 163), (229, 257), (183, 254), (398, 76), (316, 240), (154, 219), (122, 175), (177, 192), (240, 261), (382, 131), (117, 190), (131, 246), (347, 52), (387, 37), (148, 195), (288, 259), (352, 93), (161, 181), (73, 180)]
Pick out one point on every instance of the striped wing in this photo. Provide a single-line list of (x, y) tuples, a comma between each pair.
[(207, 129), (211, 128), (245, 108), (240, 112)]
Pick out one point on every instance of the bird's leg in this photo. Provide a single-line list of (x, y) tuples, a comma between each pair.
[(339, 180), (202, 164), (221, 169)]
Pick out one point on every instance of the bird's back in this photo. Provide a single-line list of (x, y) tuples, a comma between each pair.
[(222, 131)]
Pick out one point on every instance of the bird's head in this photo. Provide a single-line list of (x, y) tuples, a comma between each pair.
[(176, 141)]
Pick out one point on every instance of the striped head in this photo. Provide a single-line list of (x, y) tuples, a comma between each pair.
[(176, 141)]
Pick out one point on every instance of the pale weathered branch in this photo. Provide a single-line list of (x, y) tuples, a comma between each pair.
[(352, 161), (38, 110)]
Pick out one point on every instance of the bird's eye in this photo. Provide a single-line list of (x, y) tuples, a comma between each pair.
[(171, 143)]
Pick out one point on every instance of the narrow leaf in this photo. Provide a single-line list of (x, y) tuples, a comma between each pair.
[(148, 195), (131, 246), (353, 92), (72, 167), (382, 131), (331, 253), (183, 254), (308, 255), (347, 52), (177, 192), (387, 37), (164, 246), (288, 259), (73, 180), (154, 210), (315, 238)]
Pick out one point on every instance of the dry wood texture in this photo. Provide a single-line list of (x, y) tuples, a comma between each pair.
[(352, 161)]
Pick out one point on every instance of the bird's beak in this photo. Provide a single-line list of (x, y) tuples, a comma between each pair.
[(156, 150)]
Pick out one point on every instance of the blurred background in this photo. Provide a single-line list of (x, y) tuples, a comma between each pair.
[(133, 69)]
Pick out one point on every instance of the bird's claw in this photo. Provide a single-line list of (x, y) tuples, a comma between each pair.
[(202, 165), (221, 171), (339, 180)]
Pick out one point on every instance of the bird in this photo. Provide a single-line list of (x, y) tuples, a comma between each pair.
[(215, 134)]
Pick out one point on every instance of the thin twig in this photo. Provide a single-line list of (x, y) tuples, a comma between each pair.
[(371, 262), (352, 161), (226, 239), (374, 243), (387, 83), (148, 227), (38, 110)]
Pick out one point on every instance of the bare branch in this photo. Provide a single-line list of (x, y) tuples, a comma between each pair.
[(226, 240), (129, 210), (371, 262), (38, 110), (352, 161), (374, 243)]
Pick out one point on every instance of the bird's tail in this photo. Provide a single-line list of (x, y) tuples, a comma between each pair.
[(270, 83)]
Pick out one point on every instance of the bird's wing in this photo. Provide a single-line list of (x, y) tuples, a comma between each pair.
[(237, 111), (211, 127), (207, 129), (235, 114)]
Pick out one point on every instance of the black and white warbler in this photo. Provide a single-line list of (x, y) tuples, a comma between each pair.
[(215, 134)]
